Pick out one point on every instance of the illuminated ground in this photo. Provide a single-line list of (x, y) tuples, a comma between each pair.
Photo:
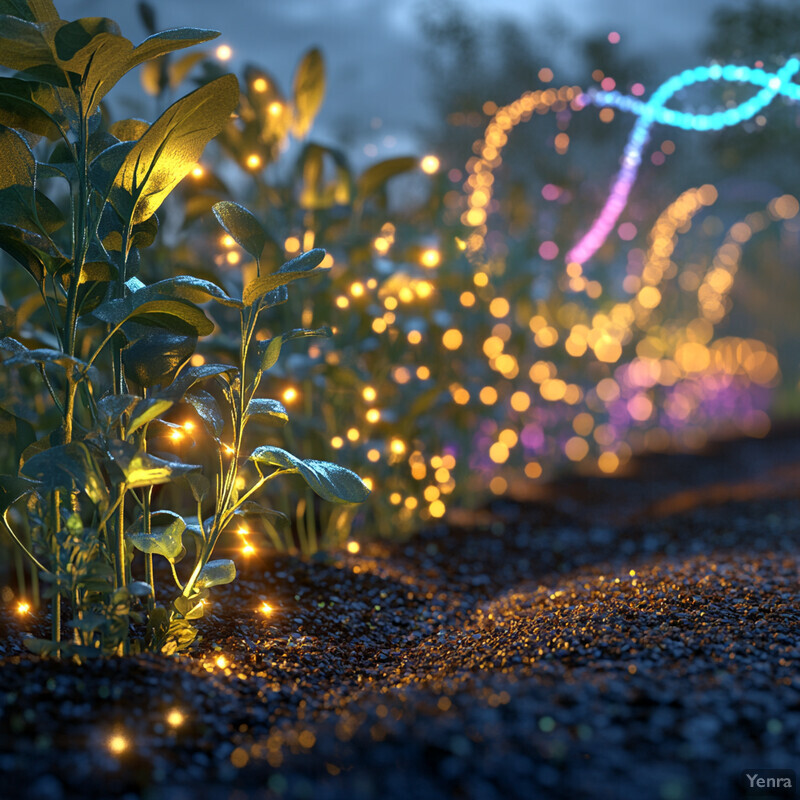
[(629, 638)]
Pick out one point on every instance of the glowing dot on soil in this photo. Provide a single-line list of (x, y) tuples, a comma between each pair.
[(632, 573), (265, 608), (117, 744), (221, 662), (224, 52), (175, 718), (289, 395), (353, 547), (429, 164), (23, 607)]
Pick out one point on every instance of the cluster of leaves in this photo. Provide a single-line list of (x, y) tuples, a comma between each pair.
[(437, 423), (94, 491)]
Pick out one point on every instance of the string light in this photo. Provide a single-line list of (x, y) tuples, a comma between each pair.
[(655, 110)]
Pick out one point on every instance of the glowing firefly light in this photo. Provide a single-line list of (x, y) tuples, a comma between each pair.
[(353, 547), (175, 718), (430, 258), (176, 436), (188, 426), (23, 608), (198, 172), (260, 85), (275, 109), (265, 608), (221, 662), (117, 744), (429, 164), (248, 549), (253, 161), (289, 395), (224, 52)]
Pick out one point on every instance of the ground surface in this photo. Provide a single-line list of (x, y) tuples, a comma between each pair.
[(629, 638)]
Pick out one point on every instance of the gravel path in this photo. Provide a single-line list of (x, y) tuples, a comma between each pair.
[(545, 654)]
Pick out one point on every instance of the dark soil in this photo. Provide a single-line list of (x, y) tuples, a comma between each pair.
[(619, 638)]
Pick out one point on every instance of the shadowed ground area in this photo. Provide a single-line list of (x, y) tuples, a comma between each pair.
[(605, 638)]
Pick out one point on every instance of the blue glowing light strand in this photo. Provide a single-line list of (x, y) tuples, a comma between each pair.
[(655, 110)]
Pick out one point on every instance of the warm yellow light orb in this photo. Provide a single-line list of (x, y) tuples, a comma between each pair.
[(353, 547), (224, 52), (429, 164)]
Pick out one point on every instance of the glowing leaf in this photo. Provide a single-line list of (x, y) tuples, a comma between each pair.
[(309, 90), (216, 573), (171, 147)]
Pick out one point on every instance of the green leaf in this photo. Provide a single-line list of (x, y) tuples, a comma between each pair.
[(164, 42), (155, 357), (216, 573), (207, 409), (148, 309), (315, 191), (243, 227), (147, 410), (17, 209), (171, 147), (195, 290), (192, 375), (199, 485), (17, 166), (12, 489), (162, 541), (113, 406), (31, 106), (375, 177), (41, 355), (308, 90), (270, 349), (140, 468), (292, 270), (129, 130), (252, 509), (23, 44), (329, 481), (64, 465), (265, 409), (93, 49), (30, 10), (178, 70)]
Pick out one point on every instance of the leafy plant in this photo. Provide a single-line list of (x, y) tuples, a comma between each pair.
[(115, 355)]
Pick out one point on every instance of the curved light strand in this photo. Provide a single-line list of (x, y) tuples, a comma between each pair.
[(654, 110)]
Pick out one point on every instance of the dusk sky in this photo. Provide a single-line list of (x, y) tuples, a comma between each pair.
[(373, 47)]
